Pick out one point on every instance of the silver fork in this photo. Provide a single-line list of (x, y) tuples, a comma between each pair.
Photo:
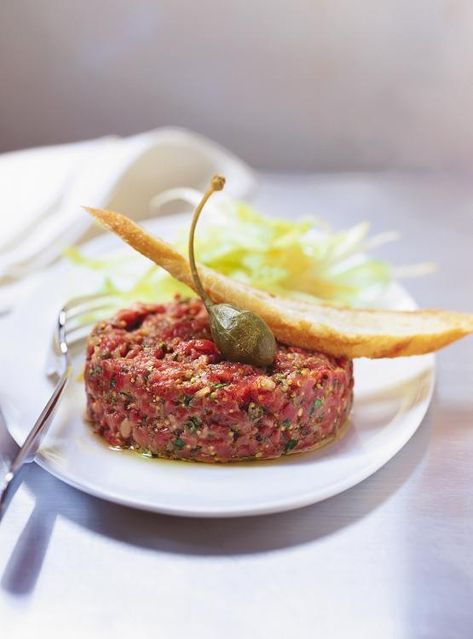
[(71, 328)]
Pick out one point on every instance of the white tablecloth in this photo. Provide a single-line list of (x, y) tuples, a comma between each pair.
[(391, 557)]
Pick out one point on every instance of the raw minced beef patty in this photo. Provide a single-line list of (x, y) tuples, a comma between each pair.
[(156, 382)]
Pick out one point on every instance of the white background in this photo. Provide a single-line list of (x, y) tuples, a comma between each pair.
[(301, 84)]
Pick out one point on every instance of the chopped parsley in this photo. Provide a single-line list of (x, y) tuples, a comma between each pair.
[(292, 443), (315, 406), (193, 423), (179, 443), (255, 412), (94, 371)]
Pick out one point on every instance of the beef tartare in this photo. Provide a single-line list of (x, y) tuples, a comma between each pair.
[(156, 383)]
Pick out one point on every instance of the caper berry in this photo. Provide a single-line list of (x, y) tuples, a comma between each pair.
[(240, 335)]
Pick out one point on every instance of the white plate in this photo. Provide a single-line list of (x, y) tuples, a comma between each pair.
[(391, 398)]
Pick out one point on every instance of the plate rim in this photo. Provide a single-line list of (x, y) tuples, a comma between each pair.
[(285, 504), (273, 507)]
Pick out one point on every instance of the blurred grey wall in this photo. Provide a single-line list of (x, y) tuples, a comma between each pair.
[(301, 84)]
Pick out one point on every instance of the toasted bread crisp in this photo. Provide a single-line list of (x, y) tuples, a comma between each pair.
[(338, 331)]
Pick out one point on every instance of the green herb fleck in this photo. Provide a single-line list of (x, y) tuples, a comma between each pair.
[(179, 443), (315, 406), (255, 412), (286, 423), (193, 423), (113, 382), (292, 443)]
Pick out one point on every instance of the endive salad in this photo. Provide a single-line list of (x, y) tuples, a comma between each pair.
[(302, 259)]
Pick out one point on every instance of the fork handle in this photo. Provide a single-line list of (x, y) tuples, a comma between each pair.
[(28, 450)]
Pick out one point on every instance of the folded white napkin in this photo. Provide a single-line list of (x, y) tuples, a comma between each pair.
[(43, 190)]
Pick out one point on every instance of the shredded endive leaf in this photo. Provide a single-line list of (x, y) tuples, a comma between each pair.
[(315, 325), (302, 260)]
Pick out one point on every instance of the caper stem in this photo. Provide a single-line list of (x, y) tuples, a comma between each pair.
[(217, 183)]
